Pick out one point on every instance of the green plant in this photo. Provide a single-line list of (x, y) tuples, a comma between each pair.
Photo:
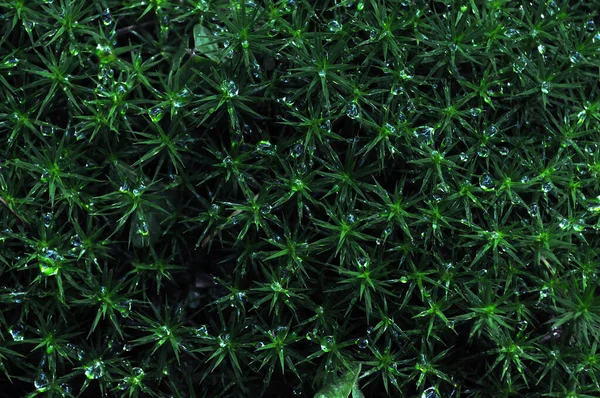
[(226, 199)]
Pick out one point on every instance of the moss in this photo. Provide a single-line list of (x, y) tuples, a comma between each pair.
[(219, 199)]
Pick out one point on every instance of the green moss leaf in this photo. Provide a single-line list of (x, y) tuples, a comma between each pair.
[(203, 44), (343, 386)]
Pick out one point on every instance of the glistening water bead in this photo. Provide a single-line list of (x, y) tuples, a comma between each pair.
[(486, 182)]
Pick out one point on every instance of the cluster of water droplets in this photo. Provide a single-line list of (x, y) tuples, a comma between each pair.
[(50, 261), (106, 17), (265, 148), (424, 136), (229, 88), (352, 111)]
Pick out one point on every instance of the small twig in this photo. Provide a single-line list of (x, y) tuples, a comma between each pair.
[(555, 335), (130, 28), (11, 210)]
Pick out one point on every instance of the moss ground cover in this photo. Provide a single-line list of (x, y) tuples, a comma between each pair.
[(299, 198)]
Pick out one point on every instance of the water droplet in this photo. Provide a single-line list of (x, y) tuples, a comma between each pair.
[(255, 69), (327, 343), (74, 49), (229, 88), (79, 135), (139, 189), (41, 382), (403, 279), (138, 373), (143, 228), (76, 240), (266, 208), (95, 370), (552, 7), (533, 210), (362, 262), (156, 114), (590, 25), (544, 292), (520, 65), (298, 390), (124, 307), (511, 33), (47, 130), (329, 367), (29, 26), (541, 48), (397, 90), (401, 117), (486, 182), (439, 193), (11, 62), (104, 52), (223, 340), (406, 74), (362, 343), (48, 219), (579, 225), (491, 131), (334, 26), (430, 392), (564, 224), (76, 351), (107, 17), (474, 112), (17, 332), (297, 150), (483, 151), (121, 90), (352, 112), (265, 148), (504, 151), (547, 187), (546, 87), (575, 57), (201, 331), (522, 324)]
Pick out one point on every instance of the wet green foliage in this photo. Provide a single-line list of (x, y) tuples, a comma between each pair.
[(274, 198)]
